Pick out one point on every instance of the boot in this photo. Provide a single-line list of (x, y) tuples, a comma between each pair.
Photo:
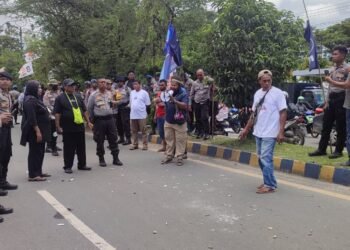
[(102, 161), (3, 192), (116, 160), (121, 140), (8, 186)]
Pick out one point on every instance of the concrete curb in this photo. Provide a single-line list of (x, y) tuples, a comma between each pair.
[(310, 170)]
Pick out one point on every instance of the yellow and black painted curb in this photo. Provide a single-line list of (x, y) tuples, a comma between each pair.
[(310, 170)]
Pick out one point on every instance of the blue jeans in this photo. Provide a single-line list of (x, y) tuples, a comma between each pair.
[(348, 131), (160, 126), (265, 148)]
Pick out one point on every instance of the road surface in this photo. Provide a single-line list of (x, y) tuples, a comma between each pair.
[(205, 204)]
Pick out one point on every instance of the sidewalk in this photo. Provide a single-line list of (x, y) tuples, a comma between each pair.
[(310, 170)]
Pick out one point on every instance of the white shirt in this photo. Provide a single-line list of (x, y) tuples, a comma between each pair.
[(268, 123), (138, 102)]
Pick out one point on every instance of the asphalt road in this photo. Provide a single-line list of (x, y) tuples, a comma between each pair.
[(205, 204)]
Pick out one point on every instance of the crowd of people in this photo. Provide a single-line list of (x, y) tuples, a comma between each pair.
[(118, 109)]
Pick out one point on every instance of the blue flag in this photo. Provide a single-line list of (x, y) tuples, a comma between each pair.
[(172, 51), (313, 61)]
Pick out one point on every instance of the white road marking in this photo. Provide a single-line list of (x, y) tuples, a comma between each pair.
[(80, 226)]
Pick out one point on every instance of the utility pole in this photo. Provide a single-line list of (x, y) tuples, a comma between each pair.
[(21, 38)]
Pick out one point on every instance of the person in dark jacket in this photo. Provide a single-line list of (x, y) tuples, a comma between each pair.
[(35, 130)]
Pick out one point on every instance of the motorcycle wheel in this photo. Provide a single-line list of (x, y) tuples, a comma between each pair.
[(314, 134), (301, 138), (236, 129)]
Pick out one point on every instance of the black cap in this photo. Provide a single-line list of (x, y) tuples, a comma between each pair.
[(6, 74), (69, 82)]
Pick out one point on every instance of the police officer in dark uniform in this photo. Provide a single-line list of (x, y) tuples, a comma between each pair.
[(5, 137), (100, 108)]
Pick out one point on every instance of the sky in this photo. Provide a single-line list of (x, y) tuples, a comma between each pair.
[(322, 13)]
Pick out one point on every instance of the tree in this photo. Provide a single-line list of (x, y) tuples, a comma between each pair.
[(248, 36), (338, 34)]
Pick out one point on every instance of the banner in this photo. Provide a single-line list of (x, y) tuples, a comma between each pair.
[(26, 70)]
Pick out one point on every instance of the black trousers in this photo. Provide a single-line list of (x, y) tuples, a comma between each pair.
[(5, 152), (74, 143), (53, 143), (105, 127), (201, 112), (123, 123), (35, 158), (334, 113)]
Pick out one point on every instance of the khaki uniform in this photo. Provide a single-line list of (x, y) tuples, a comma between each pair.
[(49, 101)]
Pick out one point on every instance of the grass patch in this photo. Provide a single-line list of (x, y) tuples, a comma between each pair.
[(287, 151)]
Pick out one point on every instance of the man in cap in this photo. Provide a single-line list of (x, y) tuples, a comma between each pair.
[(69, 111), (49, 101), (122, 99), (268, 119), (91, 90), (100, 107), (5, 131)]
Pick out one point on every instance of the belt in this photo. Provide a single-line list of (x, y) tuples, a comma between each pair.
[(104, 118)]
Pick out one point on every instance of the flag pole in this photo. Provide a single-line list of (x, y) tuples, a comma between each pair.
[(319, 70), (319, 67)]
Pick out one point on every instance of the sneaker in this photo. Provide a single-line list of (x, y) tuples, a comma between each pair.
[(55, 153), (68, 171)]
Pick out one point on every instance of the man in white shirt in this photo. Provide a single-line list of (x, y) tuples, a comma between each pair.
[(140, 107), (269, 118)]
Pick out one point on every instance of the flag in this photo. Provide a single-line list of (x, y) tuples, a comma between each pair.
[(26, 70), (172, 51), (313, 61)]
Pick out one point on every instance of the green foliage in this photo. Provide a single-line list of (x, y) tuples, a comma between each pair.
[(248, 36), (338, 34)]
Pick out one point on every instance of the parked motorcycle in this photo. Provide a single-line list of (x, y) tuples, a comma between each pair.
[(295, 131), (234, 121)]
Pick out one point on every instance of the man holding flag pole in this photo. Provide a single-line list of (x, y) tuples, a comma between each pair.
[(333, 110)]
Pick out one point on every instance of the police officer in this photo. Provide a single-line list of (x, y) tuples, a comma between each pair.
[(5, 130), (122, 98), (49, 101), (5, 118), (100, 108)]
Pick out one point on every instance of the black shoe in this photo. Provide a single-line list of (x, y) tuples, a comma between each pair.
[(199, 136), (68, 171), (127, 142), (317, 153), (3, 192), (4, 210), (1, 219), (102, 161), (120, 141), (8, 186), (335, 155), (58, 149), (206, 137), (48, 150), (55, 153), (85, 168), (116, 160)]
